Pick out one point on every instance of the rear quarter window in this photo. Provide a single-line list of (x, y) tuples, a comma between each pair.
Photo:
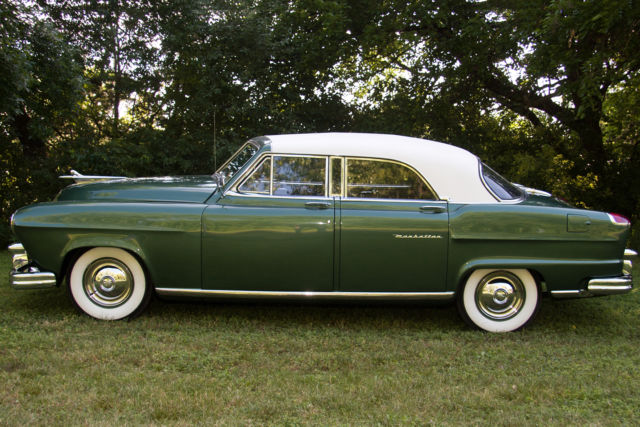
[(501, 188)]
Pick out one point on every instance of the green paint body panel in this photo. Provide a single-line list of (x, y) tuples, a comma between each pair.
[(535, 237), (189, 237), (187, 189), (264, 243), (392, 246), (165, 236)]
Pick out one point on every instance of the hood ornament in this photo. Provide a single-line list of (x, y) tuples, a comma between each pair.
[(80, 178)]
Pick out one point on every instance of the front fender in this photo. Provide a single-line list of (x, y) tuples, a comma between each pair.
[(165, 236)]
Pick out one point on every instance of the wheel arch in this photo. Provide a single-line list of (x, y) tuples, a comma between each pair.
[(496, 263), (76, 247)]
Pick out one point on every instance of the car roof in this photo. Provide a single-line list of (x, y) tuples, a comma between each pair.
[(454, 173)]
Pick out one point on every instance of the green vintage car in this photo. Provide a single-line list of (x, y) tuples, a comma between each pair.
[(323, 216)]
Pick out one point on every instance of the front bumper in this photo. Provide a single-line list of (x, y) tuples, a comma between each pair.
[(26, 275), (605, 285)]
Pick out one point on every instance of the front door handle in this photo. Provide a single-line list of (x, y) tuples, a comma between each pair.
[(432, 209), (317, 205)]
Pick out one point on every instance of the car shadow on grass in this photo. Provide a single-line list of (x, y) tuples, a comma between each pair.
[(607, 315), (286, 313), (594, 315)]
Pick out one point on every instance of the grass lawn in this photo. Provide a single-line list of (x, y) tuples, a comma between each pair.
[(186, 363)]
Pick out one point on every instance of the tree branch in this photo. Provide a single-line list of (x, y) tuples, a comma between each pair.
[(523, 99)]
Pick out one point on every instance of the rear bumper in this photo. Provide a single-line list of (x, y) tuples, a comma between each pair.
[(610, 285), (605, 285), (25, 275)]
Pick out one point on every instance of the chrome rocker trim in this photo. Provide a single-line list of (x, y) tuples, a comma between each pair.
[(25, 276), (398, 296)]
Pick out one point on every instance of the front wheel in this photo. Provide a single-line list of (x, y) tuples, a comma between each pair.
[(499, 300), (108, 284)]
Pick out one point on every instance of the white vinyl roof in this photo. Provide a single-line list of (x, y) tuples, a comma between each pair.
[(452, 171)]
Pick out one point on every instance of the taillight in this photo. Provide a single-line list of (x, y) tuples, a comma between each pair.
[(618, 219)]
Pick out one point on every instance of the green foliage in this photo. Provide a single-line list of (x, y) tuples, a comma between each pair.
[(621, 129), (42, 80), (545, 92)]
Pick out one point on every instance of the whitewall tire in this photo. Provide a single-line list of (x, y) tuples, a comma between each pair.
[(499, 300), (108, 284)]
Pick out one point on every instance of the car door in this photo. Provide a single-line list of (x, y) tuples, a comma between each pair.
[(274, 231), (393, 229)]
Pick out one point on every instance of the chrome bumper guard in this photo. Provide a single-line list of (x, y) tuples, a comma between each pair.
[(610, 285), (25, 275), (605, 285)]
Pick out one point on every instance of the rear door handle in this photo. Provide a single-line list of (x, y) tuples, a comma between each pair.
[(432, 209), (317, 205)]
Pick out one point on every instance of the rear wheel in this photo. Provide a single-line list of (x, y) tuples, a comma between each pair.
[(499, 300), (108, 284)]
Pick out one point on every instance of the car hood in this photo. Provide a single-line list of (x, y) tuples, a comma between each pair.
[(186, 189)]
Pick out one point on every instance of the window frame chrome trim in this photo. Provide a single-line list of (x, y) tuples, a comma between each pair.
[(345, 178), (234, 189), (265, 196), (330, 176), (250, 173), (249, 142), (495, 196)]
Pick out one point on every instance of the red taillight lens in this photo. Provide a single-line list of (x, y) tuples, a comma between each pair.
[(619, 219)]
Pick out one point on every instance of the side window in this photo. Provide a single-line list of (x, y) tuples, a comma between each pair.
[(259, 180), (299, 176), (380, 179)]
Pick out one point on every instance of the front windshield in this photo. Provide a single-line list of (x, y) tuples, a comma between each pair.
[(235, 163)]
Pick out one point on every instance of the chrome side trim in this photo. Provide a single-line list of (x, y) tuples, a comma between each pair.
[(398, 296), (32, 280), (569, 294)]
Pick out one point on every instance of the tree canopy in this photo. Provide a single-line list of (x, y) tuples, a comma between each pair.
[(547, 92)]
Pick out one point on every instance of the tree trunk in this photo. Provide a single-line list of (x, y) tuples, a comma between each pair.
[(116, 71), (590, 134), (33, 147)]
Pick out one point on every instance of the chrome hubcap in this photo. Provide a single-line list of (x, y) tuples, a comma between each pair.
[(108, 282), (500, 295)]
